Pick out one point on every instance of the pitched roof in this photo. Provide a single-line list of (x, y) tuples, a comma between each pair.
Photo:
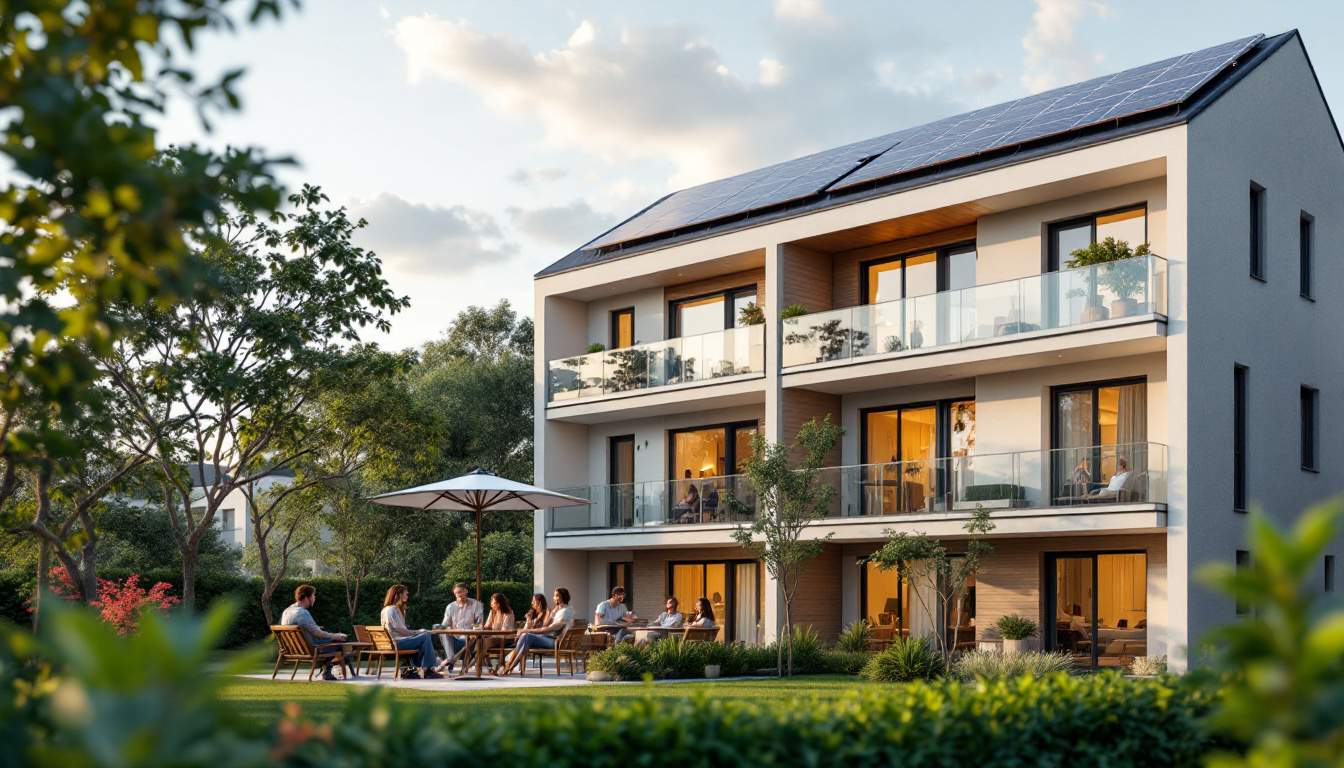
[(1136, 100)]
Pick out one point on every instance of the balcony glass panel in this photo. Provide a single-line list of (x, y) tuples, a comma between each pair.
[(731, 352), (1051, 301)]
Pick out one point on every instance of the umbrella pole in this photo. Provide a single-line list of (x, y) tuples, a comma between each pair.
[(478, 554)]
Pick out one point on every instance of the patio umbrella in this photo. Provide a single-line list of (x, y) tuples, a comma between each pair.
[(477, 492)]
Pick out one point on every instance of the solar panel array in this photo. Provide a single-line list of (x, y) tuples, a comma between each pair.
[(1131, 92)]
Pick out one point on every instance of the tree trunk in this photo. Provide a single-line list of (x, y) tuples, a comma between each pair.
[(267, 591), (43, 582), (788, 628), (89, 566), (189, 576)]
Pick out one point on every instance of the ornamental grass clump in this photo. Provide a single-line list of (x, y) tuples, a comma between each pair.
[(906, 659), (994, 665), (854, 638)]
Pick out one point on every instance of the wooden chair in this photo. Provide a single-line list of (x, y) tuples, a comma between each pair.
[(292, 645), (700, 634), (383, 648), (568, 646)]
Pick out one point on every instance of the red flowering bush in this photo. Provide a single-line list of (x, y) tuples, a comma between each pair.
[(118, 603)]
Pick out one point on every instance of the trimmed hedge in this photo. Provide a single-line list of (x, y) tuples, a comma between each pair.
[(250, 627), (674, 659), (1100, 719)]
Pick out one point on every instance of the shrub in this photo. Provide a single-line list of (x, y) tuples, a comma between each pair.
[(840, 662), (809, 655), (906, 659), (624, 661), (993, 665), (1015, 627), (791, 311), (854, 637), (1148, 666)]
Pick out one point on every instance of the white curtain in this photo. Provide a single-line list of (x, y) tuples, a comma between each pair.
[(746, 622), (923, 608)]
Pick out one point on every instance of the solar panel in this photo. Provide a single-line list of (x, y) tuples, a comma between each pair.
[(1133, 91)]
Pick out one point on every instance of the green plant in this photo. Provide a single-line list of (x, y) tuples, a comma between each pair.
[(1013, 627), (596, 347), (838, 662), (1124, 278), (1148, 665), (791, 311), (854, 637), (1283, 662), (906, 659), (992, 665), (751, 314), (624, 661), (790, 497)]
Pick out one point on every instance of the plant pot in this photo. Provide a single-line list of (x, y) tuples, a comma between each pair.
[(598, 676), (1093, 315), (1124, 307), (1016, 646), (712, 671)]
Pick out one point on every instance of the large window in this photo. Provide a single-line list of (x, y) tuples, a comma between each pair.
[(708, 313), (701, 459), (1310, 406), (733, 589), (916, 274), (1239, 404), (1098, 604), (904, 448), (1129, 224), (1257, 231), (1101, 434), (1306, 246), (621, 480)]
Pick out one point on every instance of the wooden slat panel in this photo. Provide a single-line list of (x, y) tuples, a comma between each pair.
[(817, 602), (720, 283), (802, 405), (846, 278), (896, 229), (807, 278)]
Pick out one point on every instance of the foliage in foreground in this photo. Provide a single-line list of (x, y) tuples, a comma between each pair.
[(906, 659), (993, 665)]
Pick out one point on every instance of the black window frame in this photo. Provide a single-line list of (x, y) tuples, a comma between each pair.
[(900, 598), (1256, 233), (1243, 561), (1306, 255), (1328, 575), (942, 438), (1309, 403), (941, 254), (1051, 607), (729, 294), (1241, 389), (730, 446), (615, 327), (629, 585), (730, 587), (1051, 259)]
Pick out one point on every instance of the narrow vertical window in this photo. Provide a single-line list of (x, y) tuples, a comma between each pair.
[(1310, 397), (622, 328), (1329, 573), (1257, 231), (1243, 562), (1239, 373), (1305, 246)]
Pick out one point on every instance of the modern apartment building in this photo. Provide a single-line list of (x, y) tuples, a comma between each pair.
[(1117, 419)]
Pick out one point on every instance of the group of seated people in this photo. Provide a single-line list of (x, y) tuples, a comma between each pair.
[(541, 626)]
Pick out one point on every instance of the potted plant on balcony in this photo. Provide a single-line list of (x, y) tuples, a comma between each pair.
[(751, 314), (1123, 274), (1016, 632)]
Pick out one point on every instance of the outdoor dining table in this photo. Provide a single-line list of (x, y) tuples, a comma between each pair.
[(480, 646)]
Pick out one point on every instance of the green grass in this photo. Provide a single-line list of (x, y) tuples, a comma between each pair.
[(262, 699)]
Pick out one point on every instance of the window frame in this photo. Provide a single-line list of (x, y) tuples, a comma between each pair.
[(1051, 258), (1051, 602), (614, 329), (730, 586), (1241, 396), (1309, 404), (730, 444), (941, 253), (629, 567), (1243, 561), (1257, 245), (728, 295), (1328, 575), (1306, 255)]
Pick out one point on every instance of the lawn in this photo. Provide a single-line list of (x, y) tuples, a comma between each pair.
[(263, 699)]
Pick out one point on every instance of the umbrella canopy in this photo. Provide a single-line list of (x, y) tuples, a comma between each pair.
[(477, 492)]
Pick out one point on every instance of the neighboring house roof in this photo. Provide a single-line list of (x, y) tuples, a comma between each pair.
[(1136, 100), (204, 475)]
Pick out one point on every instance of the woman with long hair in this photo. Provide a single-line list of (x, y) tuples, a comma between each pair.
[(393, 619), (546, 634), (501, 618), (704, 614), (536, 613)]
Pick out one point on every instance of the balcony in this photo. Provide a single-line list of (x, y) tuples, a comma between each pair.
[(731, 354), (1098, 478), (1096, 296)]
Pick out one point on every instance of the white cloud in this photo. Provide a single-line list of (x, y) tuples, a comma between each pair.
[(530, 176), (568, 226), (584, 34), (1052, 55), (412, 237), (664, 94), (801, 10)]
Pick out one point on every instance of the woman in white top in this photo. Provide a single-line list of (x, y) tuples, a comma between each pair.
[(704, 614), (393, 619), (501, 618), (546, 636)]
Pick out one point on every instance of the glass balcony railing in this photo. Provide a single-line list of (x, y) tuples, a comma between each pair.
[(1089, 476), (1132, 473), (657, 503), (1050, 301), (730, 352)]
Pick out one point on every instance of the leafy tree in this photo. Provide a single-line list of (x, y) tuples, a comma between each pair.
[(922, 560), (131, 537), (789, 498), (89, 215), (222, 377), (359, 535), (1282, 664), (505, 556)]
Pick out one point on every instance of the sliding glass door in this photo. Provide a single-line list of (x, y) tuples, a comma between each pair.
[(702, 459), (1100, 433), (1099, 607), (621, 479), (732, 588), (906, 451)]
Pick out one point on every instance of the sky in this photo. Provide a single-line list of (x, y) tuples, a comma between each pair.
[(484, 140)]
